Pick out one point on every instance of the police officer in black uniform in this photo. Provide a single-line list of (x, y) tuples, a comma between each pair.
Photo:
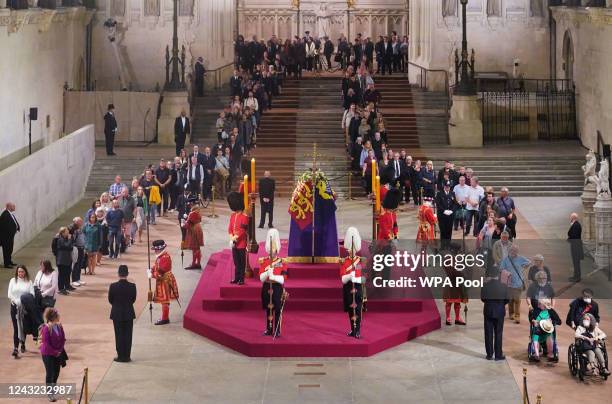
[(445, 202)]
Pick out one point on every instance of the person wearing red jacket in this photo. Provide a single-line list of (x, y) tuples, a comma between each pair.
[(387, 219), (272, 274), (166, 288), (238, 233), (352, 277), (427, 220), (194, 237)]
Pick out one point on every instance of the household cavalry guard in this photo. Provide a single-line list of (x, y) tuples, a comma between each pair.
[(272, 274), (353, 282), (166, 288), (238, 234)]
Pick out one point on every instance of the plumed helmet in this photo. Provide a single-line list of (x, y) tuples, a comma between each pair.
[(235, 201), (273, 243), (352, 240), (392, 199)]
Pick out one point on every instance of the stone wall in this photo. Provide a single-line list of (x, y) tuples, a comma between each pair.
[(368, 17), (587, 35), (498, 30), (144, 29), (45, 184), (42, 50)]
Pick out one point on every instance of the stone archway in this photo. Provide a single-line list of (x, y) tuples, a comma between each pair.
[(568, 56)]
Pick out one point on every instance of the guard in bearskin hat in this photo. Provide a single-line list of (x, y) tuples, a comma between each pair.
[(352, 281), (272, 274), (387, 219), (238, 234), (166, 288)]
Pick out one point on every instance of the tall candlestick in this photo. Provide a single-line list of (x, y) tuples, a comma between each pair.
[(374, 175), (377, 193), (253, 174), (245, 189)]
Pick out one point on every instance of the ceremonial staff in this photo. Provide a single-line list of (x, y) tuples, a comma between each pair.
[(435, 208), (150, 293), (270, 291), (353, 289)]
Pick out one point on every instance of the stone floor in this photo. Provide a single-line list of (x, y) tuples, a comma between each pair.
[(172, 365)]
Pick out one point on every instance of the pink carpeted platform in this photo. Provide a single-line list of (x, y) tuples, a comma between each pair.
[(314, 324)]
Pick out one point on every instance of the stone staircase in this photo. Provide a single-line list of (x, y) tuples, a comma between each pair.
[(129, 162), (308, 111), (205, 112)]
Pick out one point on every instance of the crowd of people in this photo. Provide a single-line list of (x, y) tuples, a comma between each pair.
[(293, 55)]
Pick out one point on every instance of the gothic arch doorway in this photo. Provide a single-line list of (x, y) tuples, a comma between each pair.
[(568, 56)]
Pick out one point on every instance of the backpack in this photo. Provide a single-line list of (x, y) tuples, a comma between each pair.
[(54, 245)]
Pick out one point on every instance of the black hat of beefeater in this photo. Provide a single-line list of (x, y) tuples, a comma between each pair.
[(111, 106), (123, 270), (235, 201), (392, 199), (158, 245)]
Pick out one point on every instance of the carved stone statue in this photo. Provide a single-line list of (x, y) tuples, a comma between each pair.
[(603, 180), (494, 8), (323, 21), (537, 8), (589, 169), (449, 8), (151, 8)]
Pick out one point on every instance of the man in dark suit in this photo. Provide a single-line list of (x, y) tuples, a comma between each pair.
[(267, 186), (328, 50), (369, 52), (208, 163), (235, 84), (110, 129), (574, 237), (9, 226), (182, 128), (388, 57), (121, 296), (200, 72), (494, 295), (445, 204)]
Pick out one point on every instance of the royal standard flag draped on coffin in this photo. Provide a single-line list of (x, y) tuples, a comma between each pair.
[(313, 199)]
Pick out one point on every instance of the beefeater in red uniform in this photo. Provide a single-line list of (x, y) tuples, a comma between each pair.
[(166, 288), (427, 221), (194, 237), (238, 233)]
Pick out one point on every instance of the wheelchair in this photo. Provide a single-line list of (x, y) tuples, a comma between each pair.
[(579, 364), (543, 349)]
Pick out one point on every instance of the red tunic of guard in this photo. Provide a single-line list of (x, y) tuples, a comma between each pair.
[(238, 226), (348, 265), (427, 220), (166, 288), (387, 225)]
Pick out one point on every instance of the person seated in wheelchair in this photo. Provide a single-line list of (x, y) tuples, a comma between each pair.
[(543, 320), (590, 341), (580, 306)]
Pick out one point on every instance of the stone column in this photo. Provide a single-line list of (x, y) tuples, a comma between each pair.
[(371, 33), (589, 196), (603, 235), (276, 24), (465, 125)]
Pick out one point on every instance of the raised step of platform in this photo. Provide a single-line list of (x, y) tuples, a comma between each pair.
[(314, 324)]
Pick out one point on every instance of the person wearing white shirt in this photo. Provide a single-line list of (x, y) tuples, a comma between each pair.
[(46, 280), (461, 192), (20, 285), (475, 195)]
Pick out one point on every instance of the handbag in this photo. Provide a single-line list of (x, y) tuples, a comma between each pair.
[(63, 357)]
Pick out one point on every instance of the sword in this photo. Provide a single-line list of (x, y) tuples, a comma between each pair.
[(284, 298)]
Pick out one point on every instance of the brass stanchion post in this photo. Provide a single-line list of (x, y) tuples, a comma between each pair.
[(212, 208), (525, 395), (539, 399), (86, 387)]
